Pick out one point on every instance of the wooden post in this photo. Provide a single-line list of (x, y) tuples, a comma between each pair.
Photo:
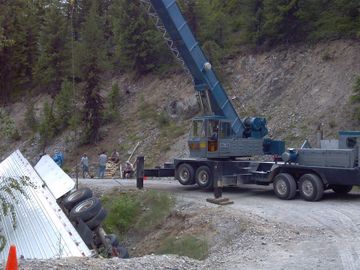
[(140, 172)]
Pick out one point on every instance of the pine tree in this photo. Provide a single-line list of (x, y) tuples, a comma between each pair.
[(281, 22), (139, 46), (47, 128), (64, 105), (339, 18), (215, 25), (251, 21), (92, 62), (54, 54), (18, 37)]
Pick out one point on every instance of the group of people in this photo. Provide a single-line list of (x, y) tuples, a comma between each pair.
[(102, 160)]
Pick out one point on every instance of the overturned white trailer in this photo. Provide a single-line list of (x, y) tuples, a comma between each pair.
[(43, 230)]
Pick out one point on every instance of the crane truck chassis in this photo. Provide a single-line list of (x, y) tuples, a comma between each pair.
[(220, 142), (310, 171)]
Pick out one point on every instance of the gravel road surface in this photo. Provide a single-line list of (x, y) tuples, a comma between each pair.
[(306, 235)]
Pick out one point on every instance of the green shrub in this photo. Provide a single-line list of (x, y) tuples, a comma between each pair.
[(158, 205), (64, 104), (136, 210), (8, 127), (113, 104), (47, 126), (30, 119), (163, 120), (147, 111), (122, 213)]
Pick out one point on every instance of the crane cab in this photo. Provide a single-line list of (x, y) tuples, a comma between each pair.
[(206, 135)]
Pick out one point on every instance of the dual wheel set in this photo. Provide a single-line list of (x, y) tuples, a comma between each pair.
[(187, 175), (310, 186), (86, 213)]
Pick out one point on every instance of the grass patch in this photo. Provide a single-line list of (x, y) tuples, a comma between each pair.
[(147, 110), (186, 245), (172, 131), (136, 210), (158, 207)]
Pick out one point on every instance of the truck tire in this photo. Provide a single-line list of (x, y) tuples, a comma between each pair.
[(77, 196), (284, 186), (203, 177), (342, 189), (86, 210), (311, 187), (96, 220), (185, 174)]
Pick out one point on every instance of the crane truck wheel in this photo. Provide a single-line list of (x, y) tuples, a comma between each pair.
[(185, 174), (311, 187), (284, 186), (342, 189), (203, 177)]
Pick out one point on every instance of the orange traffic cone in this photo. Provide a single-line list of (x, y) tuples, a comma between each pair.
[(12, 263)]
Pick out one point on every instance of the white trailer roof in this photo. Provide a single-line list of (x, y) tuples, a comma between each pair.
[(43, 230)]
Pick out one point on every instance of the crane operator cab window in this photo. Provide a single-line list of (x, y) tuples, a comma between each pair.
[(197, 130), (213, 135), (225, 130)]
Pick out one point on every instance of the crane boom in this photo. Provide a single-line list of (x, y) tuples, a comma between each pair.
[(204, 77), (219, 133)]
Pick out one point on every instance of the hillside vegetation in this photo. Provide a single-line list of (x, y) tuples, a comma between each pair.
[(100, 69)]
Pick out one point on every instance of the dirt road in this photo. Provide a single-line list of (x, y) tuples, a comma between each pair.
[(305, 235)]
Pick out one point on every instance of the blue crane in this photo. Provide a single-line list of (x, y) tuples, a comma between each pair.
[(239, 138)]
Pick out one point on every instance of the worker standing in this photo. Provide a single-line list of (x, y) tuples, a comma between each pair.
[(115, 156), (58, 157), (84, 162), (102, 164)]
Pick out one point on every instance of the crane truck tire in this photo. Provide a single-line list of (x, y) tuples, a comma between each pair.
[(86, 210), (284, 186), (185, 174), (311, 187), (204, 177), (342, 189), (76, 197)]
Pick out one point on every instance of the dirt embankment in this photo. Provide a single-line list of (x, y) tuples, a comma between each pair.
[(296, 88)]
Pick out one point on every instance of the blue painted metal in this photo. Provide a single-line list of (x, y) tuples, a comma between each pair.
[(189, 49), (349, 133), (255, 127)]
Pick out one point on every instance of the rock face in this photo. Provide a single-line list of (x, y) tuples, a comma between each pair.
[(299, 87), (183, 109)]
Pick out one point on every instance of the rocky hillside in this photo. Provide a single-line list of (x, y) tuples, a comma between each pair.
[(296, 88)]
